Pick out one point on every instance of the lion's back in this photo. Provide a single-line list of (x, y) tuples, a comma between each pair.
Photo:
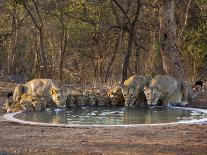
[(40, 86), (166, 83), (136, 81)]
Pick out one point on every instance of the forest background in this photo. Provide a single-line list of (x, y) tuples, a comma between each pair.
[(87, 41)]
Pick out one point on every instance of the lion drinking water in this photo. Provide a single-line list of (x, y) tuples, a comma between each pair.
[(41, 87), (132, 90), (167, 90), (27, 103)]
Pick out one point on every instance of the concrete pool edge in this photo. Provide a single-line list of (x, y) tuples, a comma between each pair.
[(10, 117)]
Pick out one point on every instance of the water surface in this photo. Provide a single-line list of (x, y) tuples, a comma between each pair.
[(112, 116)]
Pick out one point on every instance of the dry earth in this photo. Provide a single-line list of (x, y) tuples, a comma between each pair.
[(171, 139)]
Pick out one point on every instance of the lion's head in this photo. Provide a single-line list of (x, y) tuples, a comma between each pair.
[(130, 95), (92, 99), (31, 103), (115, 95), (58, 97), (153, 95), (71, 100), (102, 98), (82, 99)]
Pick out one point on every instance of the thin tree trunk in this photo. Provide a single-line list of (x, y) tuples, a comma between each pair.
[(12, 51), (41, 34), (42, 53), (169, 50), (112, 58), (37, 70), (63, 48), (125, 64), (156, 65), (137, 55), (136, 62), (127, 55)]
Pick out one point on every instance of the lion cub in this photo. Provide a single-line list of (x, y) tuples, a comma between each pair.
[(167, 90), (41, 87), (38, 102), (116, 96), (132, 90), (12, 106), (102, 98), (27, 103)]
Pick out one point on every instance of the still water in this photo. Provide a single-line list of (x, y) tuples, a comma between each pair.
[(112, 116)]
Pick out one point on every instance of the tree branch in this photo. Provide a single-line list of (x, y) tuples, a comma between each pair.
[(38, 13), (122, 9), (30, 14)]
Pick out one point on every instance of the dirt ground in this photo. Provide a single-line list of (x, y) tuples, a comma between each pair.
[(171, 139)]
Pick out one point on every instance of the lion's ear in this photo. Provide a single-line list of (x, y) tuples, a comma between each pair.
[(53, 91), (145, 88)]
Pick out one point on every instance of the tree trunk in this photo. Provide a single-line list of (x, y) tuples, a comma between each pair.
[(41, 34), (62, 53), (137, 60), (125, 64), (12, 51), (36, 71), (169, 50), (42, 53), (112, 58)]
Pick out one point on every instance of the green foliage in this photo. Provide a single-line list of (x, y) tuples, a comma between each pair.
[(194, 44)]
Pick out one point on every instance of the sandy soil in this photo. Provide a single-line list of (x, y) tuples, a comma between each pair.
[(172, 139)]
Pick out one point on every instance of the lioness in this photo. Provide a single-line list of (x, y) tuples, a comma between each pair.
[(27, 103), (12, 106), (116, 96), (132, 90), (72, 100), (41, 87), (38, 102), (102, 98), (90, 96), (167, 90)]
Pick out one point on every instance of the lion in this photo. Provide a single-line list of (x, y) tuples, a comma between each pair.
[(82, 100), (102, 98), (90, 97), (71, 100), (10, 106), (27, 103), (87, 98), (132, 90), (167, 90), (38, 102), (41, 87), (116, 96)]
